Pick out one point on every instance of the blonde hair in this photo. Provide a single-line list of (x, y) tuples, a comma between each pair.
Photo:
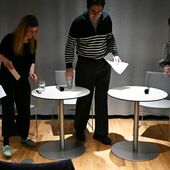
[(19, 34)]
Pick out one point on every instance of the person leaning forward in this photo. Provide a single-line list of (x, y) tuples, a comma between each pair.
[(91, 35), (17, 51)]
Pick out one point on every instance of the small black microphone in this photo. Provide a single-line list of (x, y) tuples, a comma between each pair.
[(146, 91), (38, 91), (60, 88)]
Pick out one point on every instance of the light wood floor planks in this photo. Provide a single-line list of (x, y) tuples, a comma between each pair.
[(97, 155)]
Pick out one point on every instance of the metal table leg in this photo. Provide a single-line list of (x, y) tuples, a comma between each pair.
[(62, 149), (134, 150)]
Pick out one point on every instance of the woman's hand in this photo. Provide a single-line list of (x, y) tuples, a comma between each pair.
[(31, 73), (33, 76)]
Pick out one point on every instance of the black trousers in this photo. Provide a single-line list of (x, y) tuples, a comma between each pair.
[(93, 75), (18, 92)]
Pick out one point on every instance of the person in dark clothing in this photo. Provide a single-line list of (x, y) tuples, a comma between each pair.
[(165, 61), (17, 51), (91, 35)]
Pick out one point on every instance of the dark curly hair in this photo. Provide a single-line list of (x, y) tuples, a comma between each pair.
[(95, 2)]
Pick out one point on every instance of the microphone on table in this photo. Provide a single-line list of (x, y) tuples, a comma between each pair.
[(147, 90), (38, 91), (60, 88)]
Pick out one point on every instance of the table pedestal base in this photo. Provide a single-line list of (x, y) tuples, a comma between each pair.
[(52, 150), (124, 150)]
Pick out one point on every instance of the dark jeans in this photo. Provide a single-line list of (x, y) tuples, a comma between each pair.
[(18, 92), (93, 75)]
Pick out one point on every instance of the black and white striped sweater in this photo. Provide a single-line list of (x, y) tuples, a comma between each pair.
[(89, 42)]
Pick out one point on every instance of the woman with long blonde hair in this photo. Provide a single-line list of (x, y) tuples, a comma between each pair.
[(17, 52)]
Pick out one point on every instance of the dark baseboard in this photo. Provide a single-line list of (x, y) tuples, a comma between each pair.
[(71, 117)]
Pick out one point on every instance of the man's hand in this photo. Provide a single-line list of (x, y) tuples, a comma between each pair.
[(117, 59), (69, 72)]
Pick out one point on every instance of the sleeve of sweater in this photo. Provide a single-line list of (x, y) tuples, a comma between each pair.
[(70, 46), (111, 39), (166, 56)]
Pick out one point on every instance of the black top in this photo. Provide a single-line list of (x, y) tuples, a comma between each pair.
[(21, 63)]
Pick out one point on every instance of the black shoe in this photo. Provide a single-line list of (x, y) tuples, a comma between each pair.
[(103, 139), (29, 142), (80, 136)]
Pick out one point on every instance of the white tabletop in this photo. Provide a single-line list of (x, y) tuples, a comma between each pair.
[(51, 92), (136, 93)]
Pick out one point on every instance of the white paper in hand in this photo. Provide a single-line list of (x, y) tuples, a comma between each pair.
[(118, 67)]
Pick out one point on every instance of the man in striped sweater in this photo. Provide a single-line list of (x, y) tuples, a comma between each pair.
[(91, 35)]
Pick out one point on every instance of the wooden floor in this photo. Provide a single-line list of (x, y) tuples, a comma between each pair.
[(97, 155)]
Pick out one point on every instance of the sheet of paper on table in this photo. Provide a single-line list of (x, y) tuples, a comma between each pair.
[(118, 67)]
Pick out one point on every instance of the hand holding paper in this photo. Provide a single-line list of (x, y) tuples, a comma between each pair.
[(118, 66), (116, 59)]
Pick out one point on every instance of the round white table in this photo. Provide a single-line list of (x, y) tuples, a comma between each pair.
[(134, 150), (62, 149)]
